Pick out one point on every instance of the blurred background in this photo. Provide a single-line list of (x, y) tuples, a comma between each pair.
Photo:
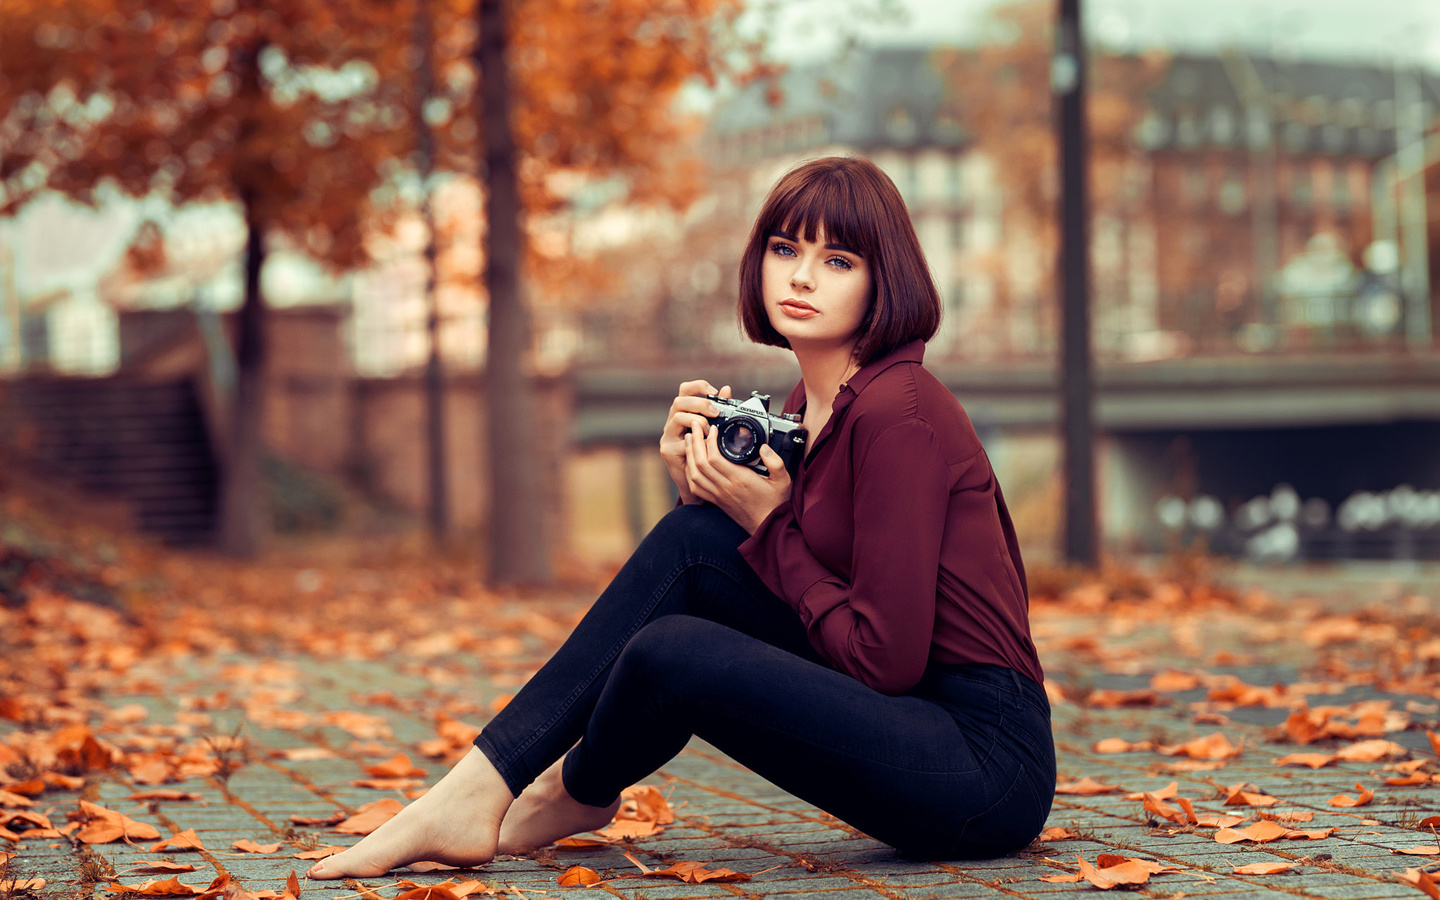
[(1264, 230)]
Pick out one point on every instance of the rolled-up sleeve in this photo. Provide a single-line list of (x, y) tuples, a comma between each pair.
[(876, 625)]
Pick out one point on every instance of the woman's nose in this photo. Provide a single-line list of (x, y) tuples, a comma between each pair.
[(801, 277)]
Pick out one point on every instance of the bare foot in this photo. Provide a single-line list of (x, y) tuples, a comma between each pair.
[(456, 822), (545, 812)]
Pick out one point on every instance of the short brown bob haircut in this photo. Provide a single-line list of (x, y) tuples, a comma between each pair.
[(858, 207)]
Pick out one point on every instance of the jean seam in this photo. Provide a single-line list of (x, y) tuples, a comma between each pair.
[(648, 610)]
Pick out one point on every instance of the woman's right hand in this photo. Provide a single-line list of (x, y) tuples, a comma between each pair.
[(687, 413)]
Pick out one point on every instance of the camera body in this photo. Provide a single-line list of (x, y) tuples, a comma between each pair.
[(744, 426)]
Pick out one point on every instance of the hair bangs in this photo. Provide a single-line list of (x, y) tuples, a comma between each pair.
[(829, 204)]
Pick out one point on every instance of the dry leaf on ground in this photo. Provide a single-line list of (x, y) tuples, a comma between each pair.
[(185, 840), (1057, 833), (1422, 850), (1120, 745), (169, 887), (1423, 880), (103, 826), (1313, 760), (578, 876), (398, 766), (1264, 868), (1243, 793), (1211, 746), (370, 816), (1371, 751), (1346, 801), (1086, 786), (1113, 870), (245, 845)]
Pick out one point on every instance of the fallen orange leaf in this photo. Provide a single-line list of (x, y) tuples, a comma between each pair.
[(1168, 792), (14, 885), (1212, 746), (106, 825), (1120, 745), (579, 843), (319, 852), (1423, 880), (1237, 795), (1063, 879), (161, 867), (398, 766), (1086, 786), (245, 845), (185, 840), (166, 794), (1111, 699), (1413, 778), (1342, 800), (1263, 868), (15, 800), (1313, 760), (170, 887), (1163, 810), (1422, 850), (1057, 833), (1291, 816), (1171, 681), (1261, 832), (579, 876), (370, 816), (1127, 871), (696, 873), (1371, 751)]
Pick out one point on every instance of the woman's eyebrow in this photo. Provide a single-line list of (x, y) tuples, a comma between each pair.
[(789, 236)]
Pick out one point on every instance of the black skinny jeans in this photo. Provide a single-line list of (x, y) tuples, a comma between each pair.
[(688, 641)]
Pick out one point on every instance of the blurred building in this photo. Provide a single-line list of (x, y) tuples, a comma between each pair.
[(1259, 210)]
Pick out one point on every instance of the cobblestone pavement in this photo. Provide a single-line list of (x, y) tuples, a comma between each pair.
[(729, 817)]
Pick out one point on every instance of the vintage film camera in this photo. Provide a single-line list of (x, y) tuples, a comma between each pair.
[(746, 426)]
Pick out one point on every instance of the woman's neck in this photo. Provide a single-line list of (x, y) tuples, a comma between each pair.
[(823, 371)]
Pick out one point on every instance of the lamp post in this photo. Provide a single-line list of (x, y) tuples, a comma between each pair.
[(1067, 79)]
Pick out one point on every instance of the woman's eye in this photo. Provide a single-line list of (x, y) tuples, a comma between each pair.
[(841, 262), (782, 249)]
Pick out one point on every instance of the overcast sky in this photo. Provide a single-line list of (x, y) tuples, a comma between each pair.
[(1373, 29)]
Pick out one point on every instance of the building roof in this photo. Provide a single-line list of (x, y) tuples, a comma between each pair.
[(893, 97), (874, 97)]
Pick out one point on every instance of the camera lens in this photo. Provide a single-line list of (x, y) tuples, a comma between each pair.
[(739, 440)]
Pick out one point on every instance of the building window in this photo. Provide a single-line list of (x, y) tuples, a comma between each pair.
[(1196, 185), (1302, 186), (1222, 126), (1232, 193), (901, 127), (1297, 135), (1340, 190)]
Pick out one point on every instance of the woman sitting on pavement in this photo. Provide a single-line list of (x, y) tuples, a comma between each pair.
[(859, 636)]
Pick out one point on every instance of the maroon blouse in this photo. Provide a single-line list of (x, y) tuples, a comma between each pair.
[(896, 547)]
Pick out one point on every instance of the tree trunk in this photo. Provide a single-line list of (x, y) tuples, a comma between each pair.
[(242, 504), (519, 552), (440, 519)]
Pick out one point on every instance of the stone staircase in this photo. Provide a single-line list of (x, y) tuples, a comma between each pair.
[(142, 441)]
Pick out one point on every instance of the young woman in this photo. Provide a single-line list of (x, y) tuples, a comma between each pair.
[(858, 636)]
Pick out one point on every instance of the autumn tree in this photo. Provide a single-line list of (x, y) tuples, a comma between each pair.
[(303, 115), (1002, 91), (277, 107)]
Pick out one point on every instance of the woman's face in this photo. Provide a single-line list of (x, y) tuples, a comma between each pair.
[(816, 294)]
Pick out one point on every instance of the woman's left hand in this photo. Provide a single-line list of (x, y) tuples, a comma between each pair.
[(743, 493)]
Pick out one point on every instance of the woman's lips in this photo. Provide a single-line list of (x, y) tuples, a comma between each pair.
[(797, 310)]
